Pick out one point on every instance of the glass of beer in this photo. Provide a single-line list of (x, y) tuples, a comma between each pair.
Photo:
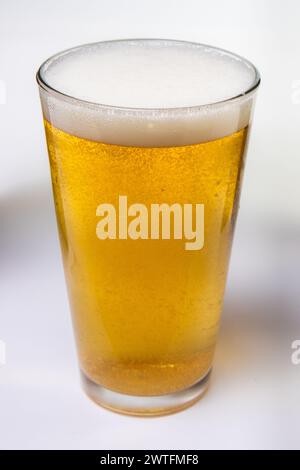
[(147, 142)]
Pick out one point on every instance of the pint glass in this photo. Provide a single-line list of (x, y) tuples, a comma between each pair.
[(146, 141)]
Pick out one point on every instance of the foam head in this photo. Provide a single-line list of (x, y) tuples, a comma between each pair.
[(147, 92)]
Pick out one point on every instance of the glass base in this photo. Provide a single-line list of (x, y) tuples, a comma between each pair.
[(144, 405)]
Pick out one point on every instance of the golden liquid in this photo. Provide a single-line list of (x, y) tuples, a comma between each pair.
[(145, 312)]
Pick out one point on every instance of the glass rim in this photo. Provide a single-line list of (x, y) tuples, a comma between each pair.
[(42, 82)]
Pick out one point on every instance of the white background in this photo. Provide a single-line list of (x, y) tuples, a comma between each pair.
[(253, 400)]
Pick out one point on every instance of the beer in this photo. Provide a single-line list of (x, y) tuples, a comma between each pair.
[(146, 200)]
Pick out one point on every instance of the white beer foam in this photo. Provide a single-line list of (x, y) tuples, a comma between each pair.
[(148, 92)]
